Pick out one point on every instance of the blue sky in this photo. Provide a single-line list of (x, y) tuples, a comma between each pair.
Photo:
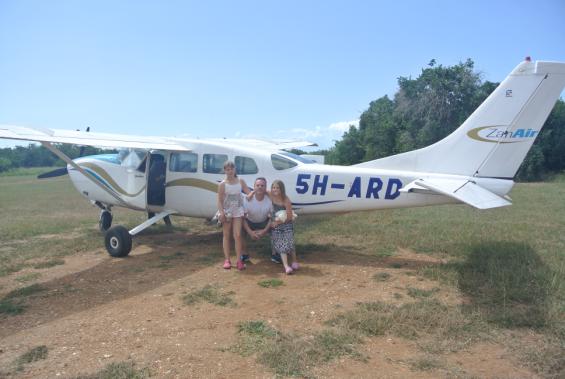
[(261, 69)]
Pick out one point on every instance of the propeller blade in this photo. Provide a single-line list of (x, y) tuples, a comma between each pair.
[(53, 173)]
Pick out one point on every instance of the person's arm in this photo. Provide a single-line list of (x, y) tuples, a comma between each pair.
[(265, 230), (250, 195), (244, 187), (221, 195), (288, 207)]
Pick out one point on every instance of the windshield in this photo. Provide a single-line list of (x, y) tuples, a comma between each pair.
[(130, 158), (297, 157)]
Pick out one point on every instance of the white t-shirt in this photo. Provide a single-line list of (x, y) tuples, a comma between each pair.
[(257, 211)]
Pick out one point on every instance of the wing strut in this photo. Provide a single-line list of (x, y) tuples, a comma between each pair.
[(91, 177)]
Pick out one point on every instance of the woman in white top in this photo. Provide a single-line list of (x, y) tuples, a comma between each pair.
[(230, 206)]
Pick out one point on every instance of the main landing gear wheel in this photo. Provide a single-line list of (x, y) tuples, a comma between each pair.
[(105, 221), (118, 241)]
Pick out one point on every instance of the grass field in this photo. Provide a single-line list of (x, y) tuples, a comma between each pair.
[(508, 264)]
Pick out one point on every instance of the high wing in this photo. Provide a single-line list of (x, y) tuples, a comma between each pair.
[(89, 138), (463, 190), (266, 144)]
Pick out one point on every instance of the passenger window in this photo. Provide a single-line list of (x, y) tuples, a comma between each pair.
[(214, 163), (281, 163), (245, 166), (183, 162)]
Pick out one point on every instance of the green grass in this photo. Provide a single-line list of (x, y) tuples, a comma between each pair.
[(8, 307), (270, 283), (28, 277), (210, 294), (425, 363), (119, 370), (420, 293), (438, 327), (293, 355), (50, 263), (13, 302), (35, 354)]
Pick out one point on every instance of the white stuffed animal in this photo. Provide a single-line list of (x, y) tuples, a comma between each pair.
[(281, 215)]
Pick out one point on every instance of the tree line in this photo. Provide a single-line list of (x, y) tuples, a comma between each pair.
[(428, 108), (38, 156), (422, 111)]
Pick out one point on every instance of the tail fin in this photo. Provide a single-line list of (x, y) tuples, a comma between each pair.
[(495, 139)]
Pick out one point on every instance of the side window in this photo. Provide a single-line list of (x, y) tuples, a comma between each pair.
[(245, 166), (183, 162), (281, 163), (214, 163)]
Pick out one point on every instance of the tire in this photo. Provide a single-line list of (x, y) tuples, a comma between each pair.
[(118, 241), (168, 221), (105, 221)]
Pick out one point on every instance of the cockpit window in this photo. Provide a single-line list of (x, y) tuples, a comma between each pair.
[(214, 163), (282, 163), (245, 166)]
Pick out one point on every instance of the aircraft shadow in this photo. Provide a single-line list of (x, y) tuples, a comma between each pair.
[(508, 282)]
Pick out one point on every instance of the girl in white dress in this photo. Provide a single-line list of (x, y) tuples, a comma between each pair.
[(230, 206)]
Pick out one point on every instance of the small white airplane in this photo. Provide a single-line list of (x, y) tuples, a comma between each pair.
[(474, 165)]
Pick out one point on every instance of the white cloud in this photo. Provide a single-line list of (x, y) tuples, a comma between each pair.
[(343, 126)]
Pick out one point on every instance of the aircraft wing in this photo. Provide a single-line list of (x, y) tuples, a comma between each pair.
[(266, 144), (89, 138), (463, 190)]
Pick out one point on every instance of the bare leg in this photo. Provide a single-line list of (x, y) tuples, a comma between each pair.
[(237, 236), (226, 243), (284, 258), (293, 255)]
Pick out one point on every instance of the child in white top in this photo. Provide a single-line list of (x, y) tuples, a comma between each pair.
[(230, 206)]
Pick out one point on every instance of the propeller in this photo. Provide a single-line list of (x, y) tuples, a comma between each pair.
[(62, 170), (53, 173)]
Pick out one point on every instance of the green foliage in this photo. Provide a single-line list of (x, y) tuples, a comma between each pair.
[(38, 156), (428, 108)]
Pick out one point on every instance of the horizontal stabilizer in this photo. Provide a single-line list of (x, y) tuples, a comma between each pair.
[(89, 138), (463, 190)]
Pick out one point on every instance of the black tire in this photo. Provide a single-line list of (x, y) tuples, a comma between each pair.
[(105, 221), (168, 221), (117, 241)]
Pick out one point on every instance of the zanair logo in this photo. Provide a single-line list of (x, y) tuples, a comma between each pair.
[(500, 134)]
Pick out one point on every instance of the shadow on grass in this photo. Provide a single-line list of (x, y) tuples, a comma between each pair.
[(508, 283)]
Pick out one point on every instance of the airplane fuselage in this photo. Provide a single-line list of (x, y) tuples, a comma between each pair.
[(187, 182)]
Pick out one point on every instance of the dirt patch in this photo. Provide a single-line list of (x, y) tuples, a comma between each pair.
[(94, 310)]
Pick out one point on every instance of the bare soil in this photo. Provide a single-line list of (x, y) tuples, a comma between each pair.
[(96, 309)]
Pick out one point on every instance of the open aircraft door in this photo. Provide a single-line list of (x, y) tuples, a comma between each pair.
[(156, 179)]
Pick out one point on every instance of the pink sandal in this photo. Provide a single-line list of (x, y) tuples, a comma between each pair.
[(288, 271), (227, 264), (294, 266)]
